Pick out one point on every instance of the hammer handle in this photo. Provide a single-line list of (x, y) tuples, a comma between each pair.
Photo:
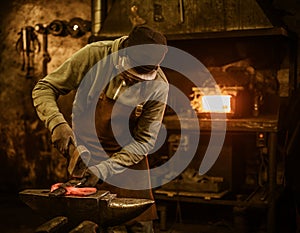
[(71, 149)]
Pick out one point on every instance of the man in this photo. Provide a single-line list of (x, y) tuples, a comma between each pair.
[(122, 92)]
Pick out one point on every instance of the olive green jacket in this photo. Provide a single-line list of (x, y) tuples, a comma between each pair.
[(88, 71)]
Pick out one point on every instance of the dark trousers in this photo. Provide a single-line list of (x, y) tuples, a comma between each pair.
[(137, 227), (141, 227)]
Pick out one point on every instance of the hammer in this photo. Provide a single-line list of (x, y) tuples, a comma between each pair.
[(79, 157)]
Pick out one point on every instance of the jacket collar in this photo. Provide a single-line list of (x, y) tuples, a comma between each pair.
[(116, 47)]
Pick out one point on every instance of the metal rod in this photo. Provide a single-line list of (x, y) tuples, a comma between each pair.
[(272, 181), (181, 11)]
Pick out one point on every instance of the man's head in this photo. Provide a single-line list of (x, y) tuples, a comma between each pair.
[(145, 35), (143, 50)]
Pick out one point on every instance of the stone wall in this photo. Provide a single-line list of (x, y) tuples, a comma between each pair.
[(26, 156)]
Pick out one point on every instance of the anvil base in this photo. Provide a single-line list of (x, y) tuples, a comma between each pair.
[(102, 208)]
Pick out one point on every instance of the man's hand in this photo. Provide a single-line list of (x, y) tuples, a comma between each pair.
[(62, 137), (92, 177)]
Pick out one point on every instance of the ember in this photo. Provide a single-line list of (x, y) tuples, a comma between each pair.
[(76, 191)]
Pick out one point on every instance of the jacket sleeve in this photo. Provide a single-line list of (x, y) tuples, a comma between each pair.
[(144, 135), (65, 78)]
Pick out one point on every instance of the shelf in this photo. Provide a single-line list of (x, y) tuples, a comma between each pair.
[(258, 199), (259, 32), (267, 123), (274, 31), (205, 196)]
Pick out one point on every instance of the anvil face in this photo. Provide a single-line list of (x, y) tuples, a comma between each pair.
[(103, 208)]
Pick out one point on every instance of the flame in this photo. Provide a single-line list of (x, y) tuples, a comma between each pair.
[(216, 103)]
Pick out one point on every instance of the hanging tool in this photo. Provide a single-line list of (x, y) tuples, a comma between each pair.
[(134, 17), (181, 11), (157, 13), (40, 28), (27, 45)]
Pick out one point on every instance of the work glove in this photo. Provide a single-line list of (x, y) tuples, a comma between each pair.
[(92, 177), (62, 136)]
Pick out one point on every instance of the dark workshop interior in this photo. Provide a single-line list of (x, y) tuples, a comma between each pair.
[(250, 47)]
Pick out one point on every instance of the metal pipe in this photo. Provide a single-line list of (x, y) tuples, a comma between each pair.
[(272, 181), (99, 11)]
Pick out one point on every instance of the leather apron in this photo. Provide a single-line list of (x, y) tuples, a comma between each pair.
[(103, 119)]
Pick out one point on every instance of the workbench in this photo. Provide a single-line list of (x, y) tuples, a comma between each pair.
[(267, 124)]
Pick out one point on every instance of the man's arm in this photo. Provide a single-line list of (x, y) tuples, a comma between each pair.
[(60, 82), (65, 78), (144, 135)]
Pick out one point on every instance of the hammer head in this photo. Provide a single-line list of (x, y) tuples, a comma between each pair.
[(78, 161)]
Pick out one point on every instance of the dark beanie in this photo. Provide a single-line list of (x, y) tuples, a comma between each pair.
[(145, 35), (148, 58)]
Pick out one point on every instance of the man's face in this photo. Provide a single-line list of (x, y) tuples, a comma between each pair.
[(130, 73)]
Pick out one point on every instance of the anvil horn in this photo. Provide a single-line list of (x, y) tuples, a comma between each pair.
[(102, 208)]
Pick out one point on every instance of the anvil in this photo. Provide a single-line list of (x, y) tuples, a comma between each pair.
[(102, 208)]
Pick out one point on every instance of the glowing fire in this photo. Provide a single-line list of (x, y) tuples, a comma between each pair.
[(214, 100), (215, 103)]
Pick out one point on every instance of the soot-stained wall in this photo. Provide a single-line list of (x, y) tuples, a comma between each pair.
[(27, 159)]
